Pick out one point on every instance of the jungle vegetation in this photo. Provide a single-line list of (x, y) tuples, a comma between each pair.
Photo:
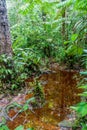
[(43, 32)]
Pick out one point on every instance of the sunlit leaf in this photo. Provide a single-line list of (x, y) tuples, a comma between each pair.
[(20, 128), (25, 107), (83, 73), (83, 86), (81, 108), (74, 37), (30, 129)]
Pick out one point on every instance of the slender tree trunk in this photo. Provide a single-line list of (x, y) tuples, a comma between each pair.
[(5, 40), (63, 26), (63, 31)]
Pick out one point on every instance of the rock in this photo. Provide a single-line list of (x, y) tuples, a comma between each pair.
[(65, 125), (62, 128)]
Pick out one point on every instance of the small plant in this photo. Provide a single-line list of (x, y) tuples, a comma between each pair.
[(84, 58), (14, 70), (81, 108), (11, 74), (38, 92), (4, 127), (32, 103)]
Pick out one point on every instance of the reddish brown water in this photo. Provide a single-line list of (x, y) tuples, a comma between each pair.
[(60, 93)]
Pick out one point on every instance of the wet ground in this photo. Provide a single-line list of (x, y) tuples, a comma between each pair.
[(60, 93)]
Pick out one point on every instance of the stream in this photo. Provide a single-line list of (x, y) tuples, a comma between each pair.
[(60, 93)]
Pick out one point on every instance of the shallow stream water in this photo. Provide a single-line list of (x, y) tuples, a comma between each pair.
[(60, 93)]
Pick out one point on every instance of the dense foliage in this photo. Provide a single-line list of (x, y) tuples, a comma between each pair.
[(14, 70), (43, 32), (81, 108), (50, 28)]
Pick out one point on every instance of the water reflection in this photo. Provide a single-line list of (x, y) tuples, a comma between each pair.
[(60, 92)]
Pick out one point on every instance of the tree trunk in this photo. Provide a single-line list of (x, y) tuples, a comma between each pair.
[(5, 40), (63, 23)]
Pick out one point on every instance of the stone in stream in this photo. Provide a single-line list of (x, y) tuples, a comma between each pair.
[(67, 125)]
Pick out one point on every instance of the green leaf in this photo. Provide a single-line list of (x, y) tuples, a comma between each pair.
[(4, 127), (74, 50), (21, 127), (66, 42), (83, 73), (84, 94), (83, 86), (84, 126), (14, 86), (30, 129), (30, 99), (81, 108), (74, 37), (25, 107), (17, 105)]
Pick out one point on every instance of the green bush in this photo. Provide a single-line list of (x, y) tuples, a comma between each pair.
[(81, 108), (14, 70)]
